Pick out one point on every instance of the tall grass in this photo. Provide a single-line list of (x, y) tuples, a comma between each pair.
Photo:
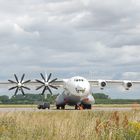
[(70, 125)]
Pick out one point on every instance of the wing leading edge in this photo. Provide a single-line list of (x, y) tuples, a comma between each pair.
[(103, 83)]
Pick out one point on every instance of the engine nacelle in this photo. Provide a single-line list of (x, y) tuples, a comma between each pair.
[(102, 84), (127, 85)]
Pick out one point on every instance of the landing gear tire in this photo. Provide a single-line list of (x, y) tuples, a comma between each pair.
[(60, 106), (57, 107), (63, 107), (79, 107), (76, 107), (87, 106), (83, 106)]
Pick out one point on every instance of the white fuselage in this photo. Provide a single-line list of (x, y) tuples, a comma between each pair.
[(76, 90)]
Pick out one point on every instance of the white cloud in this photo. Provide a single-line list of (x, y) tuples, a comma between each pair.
[(131, 75)]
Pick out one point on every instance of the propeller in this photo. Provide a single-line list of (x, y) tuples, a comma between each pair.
[(46, 83), (19, 84)]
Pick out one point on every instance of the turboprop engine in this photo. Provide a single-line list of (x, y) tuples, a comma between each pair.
[(127, 85), (102, 84)]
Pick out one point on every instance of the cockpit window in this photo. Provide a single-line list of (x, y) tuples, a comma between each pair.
[(79, 80)]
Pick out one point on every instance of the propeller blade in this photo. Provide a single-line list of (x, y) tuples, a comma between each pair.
[(46, 83), (43, 90), (12, 81), (49, 77), (22, 91), (53, 86), (39, 87), (26, 81), (26, 88), (53, 80), (40, 81), (22, 78), (12, 88), (16, 91), (49, 90), (43, 77), (16, 78)]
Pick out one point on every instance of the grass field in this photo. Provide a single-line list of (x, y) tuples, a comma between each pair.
[(70, 125)]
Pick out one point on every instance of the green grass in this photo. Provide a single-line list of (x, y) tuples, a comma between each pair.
[(70, 125)]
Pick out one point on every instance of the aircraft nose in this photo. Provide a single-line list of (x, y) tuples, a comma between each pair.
[(79, 87)]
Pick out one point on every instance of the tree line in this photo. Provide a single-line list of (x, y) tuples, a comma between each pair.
[(100, 98), (27, 99)]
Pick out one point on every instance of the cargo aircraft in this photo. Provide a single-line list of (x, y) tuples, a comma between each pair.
[(77, 90)]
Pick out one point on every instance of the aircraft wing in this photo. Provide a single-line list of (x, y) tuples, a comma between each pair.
[(127, 84), (58, 83), (4, 84)]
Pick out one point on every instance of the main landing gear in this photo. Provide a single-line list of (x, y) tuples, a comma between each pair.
[(82, 106), (60, 107), (77, 107)]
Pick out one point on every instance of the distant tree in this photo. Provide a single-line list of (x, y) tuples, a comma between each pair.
[(28, 98), (32, 98), (4, 99), (100, 96)]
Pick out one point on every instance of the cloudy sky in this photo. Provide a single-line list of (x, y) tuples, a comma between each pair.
[(92, 38)]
